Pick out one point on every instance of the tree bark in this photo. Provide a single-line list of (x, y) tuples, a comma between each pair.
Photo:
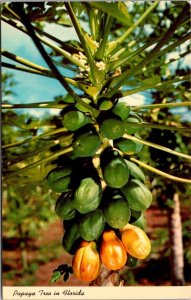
[(175, 233), (107, 278)]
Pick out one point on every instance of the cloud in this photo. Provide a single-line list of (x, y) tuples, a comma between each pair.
[(134, 100)]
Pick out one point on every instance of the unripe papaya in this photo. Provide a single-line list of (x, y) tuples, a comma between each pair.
[(132, 124), (116, 173), (135, 171), (87, 195), (125, 145), (75, 119), (63, 207), (117, 213), (91, 225), (112, 128), (137, 194), (86, 144), (131, 261), (138, 219), (59, 178), (71, 238), (121, 109)]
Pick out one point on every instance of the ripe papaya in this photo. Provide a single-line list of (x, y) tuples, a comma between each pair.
[(112, 128), (86, 262), (71, 237), (112, 251), (135, 241), (122, 110), (91, 225), (87, 195), (132, 124), (117, 213), (137, 194), (116, 173), (74, 120), (86, 144), (135, 171), (63, 207), (58, 179)]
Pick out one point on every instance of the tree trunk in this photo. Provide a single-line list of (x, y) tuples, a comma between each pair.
[(107, 278), (175, 233)]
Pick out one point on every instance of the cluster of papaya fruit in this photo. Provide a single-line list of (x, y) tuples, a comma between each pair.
[(101, 204)]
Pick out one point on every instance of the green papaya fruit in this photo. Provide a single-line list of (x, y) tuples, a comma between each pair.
[(138, 219), (135, 171), (105, 104), (116, 173), (59, 178), (132, 124), (63, 207), (68, 99), (71, 237), (87, 195), (131, 261), (117, 213), (86, 144), (91, 225), (137, 194), (81, 107), (125, 145), (74, 120), (122, 110), (112, 128), (140, 222)]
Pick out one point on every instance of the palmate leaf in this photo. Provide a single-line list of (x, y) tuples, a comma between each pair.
[(117, 10)]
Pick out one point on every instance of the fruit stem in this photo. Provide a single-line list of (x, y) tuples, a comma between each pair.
[(39, 137), (79, 31), (161, 173), (157, 85), (162, 127), (156, 146), (27, 155), (161, 105), (101, 50), (39, 162), (128, 32), (66, 54)]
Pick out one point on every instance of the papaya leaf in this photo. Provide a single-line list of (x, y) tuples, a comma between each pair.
[(117, 10), (55, 276)]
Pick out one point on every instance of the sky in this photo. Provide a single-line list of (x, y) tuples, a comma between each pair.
[(33, 88)]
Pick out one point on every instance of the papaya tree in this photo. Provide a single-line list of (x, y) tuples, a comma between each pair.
[(92, 152)]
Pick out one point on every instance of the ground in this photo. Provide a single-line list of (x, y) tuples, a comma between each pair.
[(44, 254)]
